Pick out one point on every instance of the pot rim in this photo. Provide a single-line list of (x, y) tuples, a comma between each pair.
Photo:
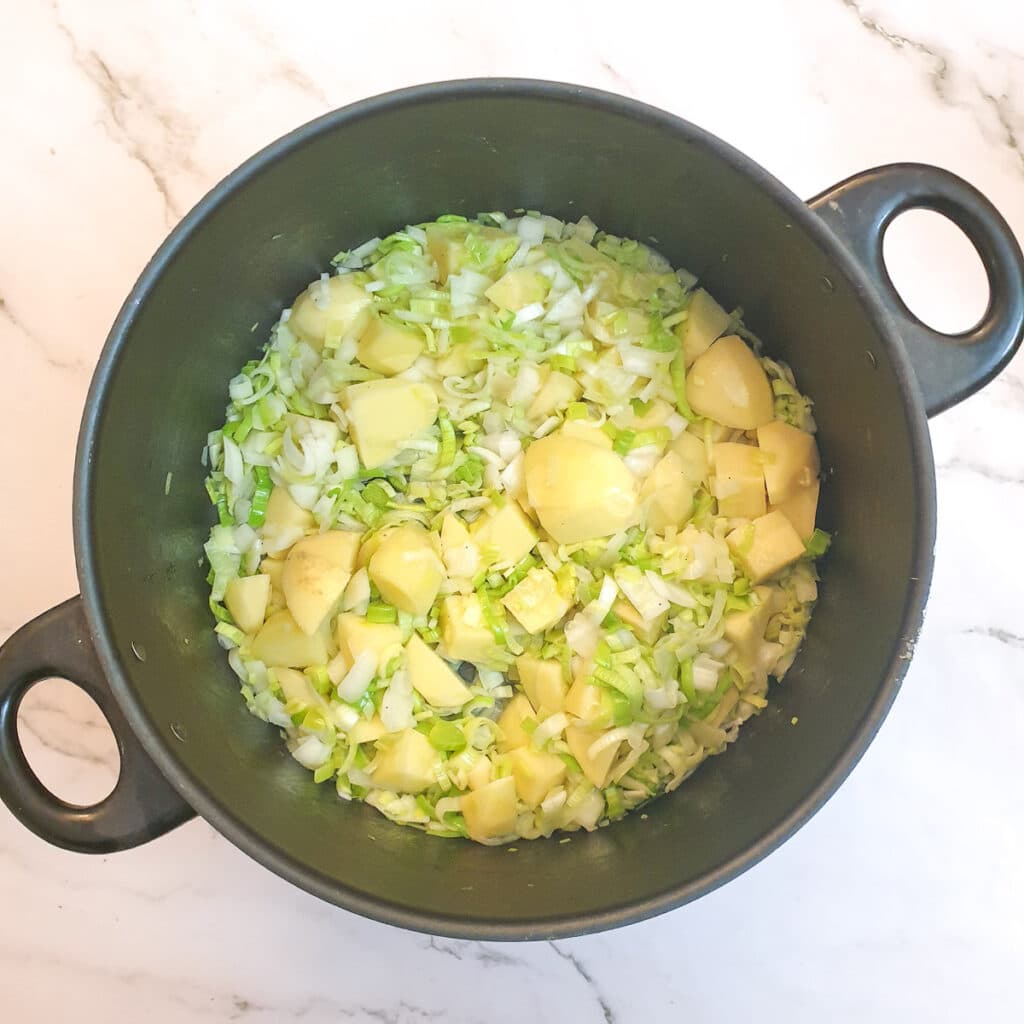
[(221, 816)]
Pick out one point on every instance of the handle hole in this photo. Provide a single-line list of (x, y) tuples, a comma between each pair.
[(936, 270), (68, 742)]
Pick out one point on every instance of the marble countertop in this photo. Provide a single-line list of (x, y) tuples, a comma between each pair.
[(903, 899)]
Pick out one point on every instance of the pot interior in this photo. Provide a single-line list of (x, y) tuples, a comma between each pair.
[(163, 386)]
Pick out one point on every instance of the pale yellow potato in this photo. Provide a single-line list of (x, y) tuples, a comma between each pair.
[(791, 460), (246, 598), (518, 288), (407, 765), (738, 483), (693, 453), (801, 509), (367, 730), (655, 416), (387, 348), (766, 545), (504, 535), (459, 553), (315, 574), (480, 774), (446, 244), (578, 490), (647, 630), (345, 313), (745, 629), (281, 642), (555, 394), (536, 602), (517, 710), (667, 493), (585, 700), (284, 522), (406, 569), (536, 773), (543, 682), (584, 430), (295, 686), (490, 811), (705, 322), (729, 385), (596, 769), (459, 361), (355, 635), (465, 634), (432, 677), (384, 414)]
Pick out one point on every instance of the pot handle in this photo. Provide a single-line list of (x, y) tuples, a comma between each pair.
[(142, 805), (949, 367)]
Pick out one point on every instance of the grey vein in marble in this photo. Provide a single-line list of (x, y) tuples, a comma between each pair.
[(940, 77), (969, 466), (609, 1016), (475, 952), (115, 95), (1001, 636), (77, 365)]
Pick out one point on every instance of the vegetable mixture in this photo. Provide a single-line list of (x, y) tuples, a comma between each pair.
[(515, 524)]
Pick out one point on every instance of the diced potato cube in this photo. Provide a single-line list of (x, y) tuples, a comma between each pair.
[(480, 774), (460, 554), (745, 629), (355, 635), (543, 682), (646, 630), (367, 730), (338, 307), (406, 569), (518, 710), (705, 321), (460, 360), (464, 630), (315, 574), (296, 687), (656, 415), (536, 773), (272, 568), (384, 414), (597, 766), (490, 811), (555, 394), (585, 700), (728, 384), (667, 493), (693, 453), (407, 765), (389, 349), (338, 667), (505, 535), (246, 597), (739, 481), (766, 545), (584, 430), (432, 677), (578, 490), (284, 522), (446, 244), (281, 642), (536, 602), (518, 288), (801, 509), (791, 460)]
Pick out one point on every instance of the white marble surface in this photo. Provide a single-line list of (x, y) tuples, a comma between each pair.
[(904, 898)]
